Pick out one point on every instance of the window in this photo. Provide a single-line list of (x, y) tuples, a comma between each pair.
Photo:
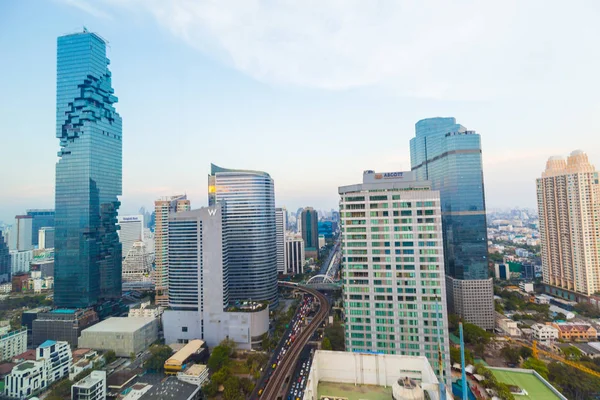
[(184, 329)]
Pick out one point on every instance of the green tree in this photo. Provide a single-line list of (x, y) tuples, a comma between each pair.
[(455, 356), (572, 383), (510, 354), (210, 389), (571, 353), (109, 357), (537, 365), (335, 334), (221, 376), (326, 345), (480, 350), (232, 389), (525, 352), (587, 310), (158, 355), (474, 334), (219, 358), (246, 385)]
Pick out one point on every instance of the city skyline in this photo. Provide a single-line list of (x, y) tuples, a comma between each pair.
[(209, 101)]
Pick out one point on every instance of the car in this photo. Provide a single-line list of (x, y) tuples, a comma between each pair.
[(274, 365)]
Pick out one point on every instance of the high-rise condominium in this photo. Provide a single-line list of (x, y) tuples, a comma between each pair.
[(294, 255), (280, 225), (163, 208), (88, 175), (248, 202), (310, 229), (393, 267), (449, 156), (20, 233), (568, 196)]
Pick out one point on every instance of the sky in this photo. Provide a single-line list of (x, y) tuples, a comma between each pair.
[(312, 92)]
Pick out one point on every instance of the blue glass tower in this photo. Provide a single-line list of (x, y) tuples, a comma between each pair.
[(41, 218), (88, 175), (449, 156)]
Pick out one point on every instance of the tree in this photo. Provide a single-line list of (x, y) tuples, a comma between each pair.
[(510, 354), (536, 365), (246, 385), (232, 389), (453, 321), (132, 357), (221, 376), (219, 358), (573, 384), (572, 353), (587, 310), (158, 355), (109, 357), (560, 317), (479, 350), (335, 334), (326, 345), (474, 334), (455, 356), (525, 352)]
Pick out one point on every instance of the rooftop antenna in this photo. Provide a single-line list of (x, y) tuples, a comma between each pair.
[(85, 30)]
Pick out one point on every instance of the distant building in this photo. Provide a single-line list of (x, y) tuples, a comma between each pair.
[(83, 359), (295, 256), (145, 310), (131, 231), (20, 283), (310, 230), (449, 156), (528, 271), (5, 260), (20, 233), (568, 196), (137, 268), (20, 261), (123, 335), (13, 343), (527, 287), (92, 387), (41, 218), (52, 363), (164, 207), (62, 325), (502, 271), (571, 331), (544, 333), (46, 238), (281, 225), (507, 325)]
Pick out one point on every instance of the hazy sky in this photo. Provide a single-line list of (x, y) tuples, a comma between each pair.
[(313, 92)]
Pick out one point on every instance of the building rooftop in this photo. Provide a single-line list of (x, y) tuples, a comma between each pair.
[(535, 388), (5, 368), (171, 388), (192, 347), (587, 348), (195, 370), (120, 324), (353, 392), (63, 311), (119, 379), (28, 355), (25, 365), (48, 343), (91, 379)]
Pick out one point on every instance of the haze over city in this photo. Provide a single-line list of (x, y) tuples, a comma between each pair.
[(313, 98)]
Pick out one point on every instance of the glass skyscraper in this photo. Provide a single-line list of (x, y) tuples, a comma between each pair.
[(449, 156), (88, 175), (41, 218), (248, 201)]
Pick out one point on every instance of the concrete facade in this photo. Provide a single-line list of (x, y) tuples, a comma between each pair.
[(471, 299), (123, 335), (92, 387), (13, 343)]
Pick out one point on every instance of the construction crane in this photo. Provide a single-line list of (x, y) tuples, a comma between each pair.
[(537, 352)]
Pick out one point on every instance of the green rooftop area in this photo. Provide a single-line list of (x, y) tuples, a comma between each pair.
[(534, 387), (25, 365), (353, 392)]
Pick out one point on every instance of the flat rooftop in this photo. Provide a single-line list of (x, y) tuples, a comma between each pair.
[(353, 392), (534, 387), (170, 388), (120, 324)]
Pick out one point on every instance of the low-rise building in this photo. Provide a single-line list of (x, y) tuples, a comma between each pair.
[(173, 388), (544, 333), (572, 331), (62, 324), (123, 335), (192, 351), (146, 310), (92, 387), (83, 362), (197, 374), (52, 363), (587, 349), (541, 300), (507, 325), (13, 343), (340, 374), (526, 287)]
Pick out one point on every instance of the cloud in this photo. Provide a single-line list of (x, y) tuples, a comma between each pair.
[(466, 50), (87, 8)]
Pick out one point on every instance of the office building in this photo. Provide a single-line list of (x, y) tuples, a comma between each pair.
[(343, 375), (45, 238), (393, 268), (13, 343), (294, 262), (5, 260), (62, 325), (199, 286), (20, 234), (92, 387), (87, 249), (449, 156), (248, 201), (41, 218), (310, 229), (52, 363), (568, 201), (280, 226), (502, 271), (123, 335), (131, 230), (164, 207)]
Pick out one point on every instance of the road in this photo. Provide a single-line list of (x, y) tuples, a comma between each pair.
[(275, 387), (332, 253)]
